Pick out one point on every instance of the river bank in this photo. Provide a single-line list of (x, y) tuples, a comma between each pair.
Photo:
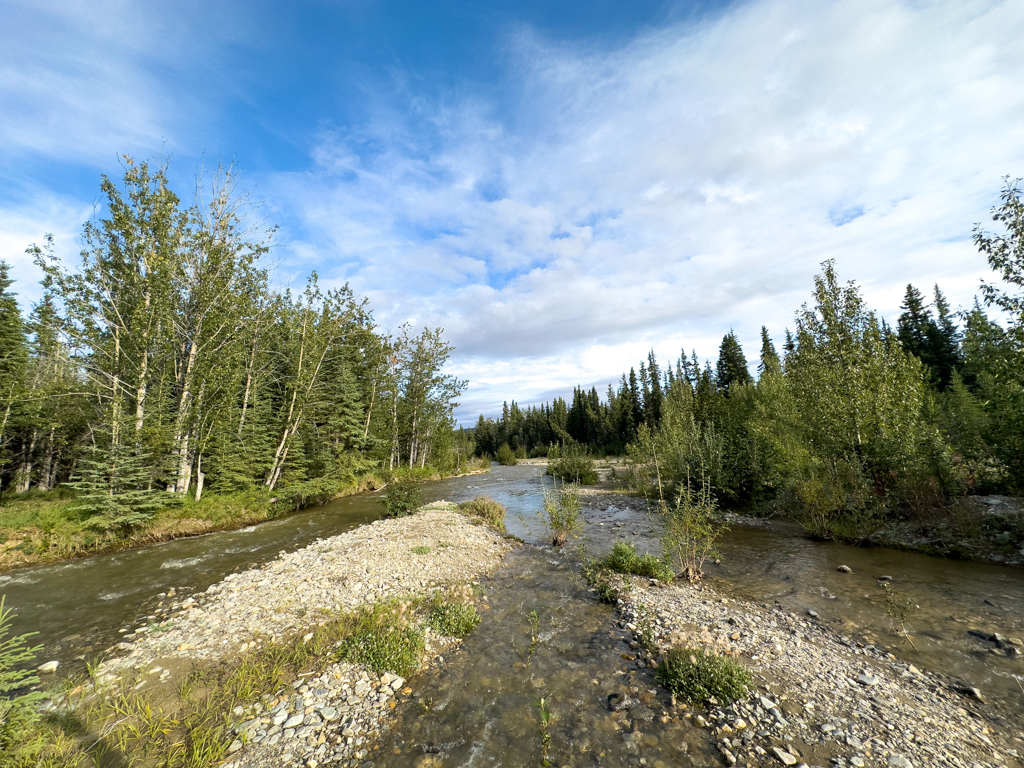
[(819, 698), (44, 528), (329, 710)]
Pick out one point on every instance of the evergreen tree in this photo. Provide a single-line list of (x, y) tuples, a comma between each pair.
[(731, 371), (915, 324), (13, 356), (770, 363)]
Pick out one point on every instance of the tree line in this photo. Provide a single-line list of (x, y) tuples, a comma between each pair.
[(847, 419), (164, 364)]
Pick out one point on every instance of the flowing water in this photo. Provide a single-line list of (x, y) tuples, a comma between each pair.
[(77, 607)]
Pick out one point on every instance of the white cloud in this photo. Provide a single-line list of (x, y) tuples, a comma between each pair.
[(690, 182)]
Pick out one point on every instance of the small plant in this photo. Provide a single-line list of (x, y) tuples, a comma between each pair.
[(624, 559), (506, 456), (422, 549), (401, 497), (690, 530), (17, 713), (385, 638), (571, 464), (645, 633), (486, 509), (534, 637), (697, 675), (898, 610), (545, 734), (599, 577), (563, 511), (454, 619)]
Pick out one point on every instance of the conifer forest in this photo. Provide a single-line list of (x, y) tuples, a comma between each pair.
[(162, 365), (849, 419)]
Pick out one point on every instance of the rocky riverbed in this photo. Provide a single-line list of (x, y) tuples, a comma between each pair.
[(821, 699), (333, 716)]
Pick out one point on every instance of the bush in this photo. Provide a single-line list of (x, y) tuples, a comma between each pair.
[(506, 456), (486, 509), (563, 511), (572, 465), (401, 497), (624, 559), (18, 713), (690, 531), (452, 619), (697, 675)]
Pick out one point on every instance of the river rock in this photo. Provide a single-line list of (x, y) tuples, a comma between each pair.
[(49, 667), (844, 569), (783, 756)]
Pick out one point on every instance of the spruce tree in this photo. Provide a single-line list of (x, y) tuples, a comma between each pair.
[(770, 363), (13, 356), (914, 324), (732, 364)]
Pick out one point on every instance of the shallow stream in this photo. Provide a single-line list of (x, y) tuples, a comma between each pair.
[(78, 606)]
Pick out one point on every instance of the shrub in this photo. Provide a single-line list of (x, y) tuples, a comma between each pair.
[(572, 465), (17, 713), (624, 559), (401, 497), (563, 511), (384, 638), (697, 675), (452, 619), (486, 509), (690, 531), (506, 456), (423, 549)]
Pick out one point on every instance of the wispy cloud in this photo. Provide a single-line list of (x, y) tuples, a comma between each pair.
[(686, 183)]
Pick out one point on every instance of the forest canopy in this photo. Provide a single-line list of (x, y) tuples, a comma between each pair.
[(163, 362)]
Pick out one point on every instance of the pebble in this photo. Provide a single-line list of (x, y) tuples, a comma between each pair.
[(49, 667), (844, 569)]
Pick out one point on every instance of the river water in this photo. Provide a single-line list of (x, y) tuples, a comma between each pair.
[(77, 607)]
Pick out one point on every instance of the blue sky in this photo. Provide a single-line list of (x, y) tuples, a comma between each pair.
[(562, 186)]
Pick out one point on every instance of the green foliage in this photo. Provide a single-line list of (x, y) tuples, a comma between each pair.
[(506, 456), (689, 530), (573, 465), (698, 675), (421, 549), (486, 509), (562, 507), (624, 559), (401, 497), (731, 371), (18, 713), (452, 618), (113, 489)]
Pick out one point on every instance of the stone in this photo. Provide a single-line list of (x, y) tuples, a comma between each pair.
[(49, 667), (857, 761), (969, 692), (235, 746), (329, 714), (813, 614), (867, 680), (294, 721), (783, 756), (885, 578), (844, 569), (899, 761)]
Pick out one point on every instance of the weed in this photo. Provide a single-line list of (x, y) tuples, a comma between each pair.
[(601, 579), (624, 559), (454, 619), (545, 734), (699, 675), (645, 632), (534, 636), (572, 465), (486, 509), (422, 549), (898, 610), (563, 513)]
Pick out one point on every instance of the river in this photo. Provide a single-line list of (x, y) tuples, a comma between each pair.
[(77, 607)]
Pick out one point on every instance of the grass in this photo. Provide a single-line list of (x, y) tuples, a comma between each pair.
[(191, 725), (624, 559), (40, 527), (422, 549), (485, 509), (699, 675)]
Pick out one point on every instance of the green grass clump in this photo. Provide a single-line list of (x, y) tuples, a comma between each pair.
[(697, 675), (487, 509), (453, 619), (422, 549), (624, 559)]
